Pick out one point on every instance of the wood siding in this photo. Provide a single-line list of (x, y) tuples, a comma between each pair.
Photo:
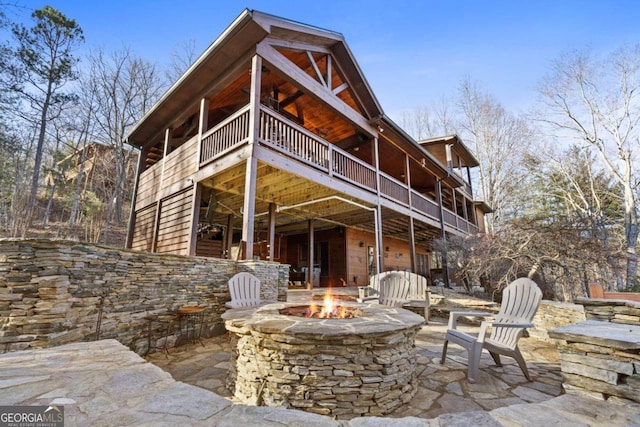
[(178, 166), (174, 226), (181, 163), (144, 229), (148, 187)]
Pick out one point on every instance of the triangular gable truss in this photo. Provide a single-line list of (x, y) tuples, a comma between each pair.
[(313, 69)]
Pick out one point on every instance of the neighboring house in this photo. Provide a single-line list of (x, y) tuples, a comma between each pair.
[(273, 146), (71, 165)]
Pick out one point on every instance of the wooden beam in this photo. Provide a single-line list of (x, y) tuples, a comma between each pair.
[(203, 122), (272, 230), (310, 244), (316, 70), (297, 77), (252, 162), (340, 88), (194, 219), (228, 238), (296, 45), (291, 98), (329, 76)]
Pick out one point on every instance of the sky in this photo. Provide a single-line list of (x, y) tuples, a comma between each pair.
[(414, 53)]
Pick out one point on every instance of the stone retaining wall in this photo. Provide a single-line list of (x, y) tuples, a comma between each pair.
[(600, 359), (553, 314), (56, 292), (608, 310)]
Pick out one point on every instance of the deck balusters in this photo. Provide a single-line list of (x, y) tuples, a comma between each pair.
[(285, 136)]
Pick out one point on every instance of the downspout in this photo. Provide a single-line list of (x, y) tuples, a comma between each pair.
[(445, 266)]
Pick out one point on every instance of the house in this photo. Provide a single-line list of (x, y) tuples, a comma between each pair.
[(86, 160), (273, 146)]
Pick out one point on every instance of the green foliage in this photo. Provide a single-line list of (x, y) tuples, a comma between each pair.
[(45, 50), (92, 204)]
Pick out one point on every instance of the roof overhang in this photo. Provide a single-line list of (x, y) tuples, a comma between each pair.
[(484, 207), (458, 146), (413, 148), (238, 41)]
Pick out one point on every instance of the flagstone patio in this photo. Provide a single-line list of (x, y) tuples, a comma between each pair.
[(103, 383), (443, 388)]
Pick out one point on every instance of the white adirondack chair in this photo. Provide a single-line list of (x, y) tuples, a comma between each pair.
[(245, 290), (394, 290), (520, 301)]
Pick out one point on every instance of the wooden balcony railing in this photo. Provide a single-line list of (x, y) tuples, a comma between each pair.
[(425, 205), (450, 218), (394, 189), (288, 138), (352, 169), (226, 135)]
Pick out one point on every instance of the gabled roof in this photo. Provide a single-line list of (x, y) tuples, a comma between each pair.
[(237, 41), (234, 48), (458, 147)]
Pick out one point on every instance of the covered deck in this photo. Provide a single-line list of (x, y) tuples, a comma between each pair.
[(274, 132)]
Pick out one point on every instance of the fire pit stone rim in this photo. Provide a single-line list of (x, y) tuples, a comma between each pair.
[(375, 319)]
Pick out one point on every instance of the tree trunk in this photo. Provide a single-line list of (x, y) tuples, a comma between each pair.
[(78, 189), (38, 160), (47, 212)]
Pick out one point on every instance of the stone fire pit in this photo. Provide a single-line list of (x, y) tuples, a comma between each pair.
[(364, 365)]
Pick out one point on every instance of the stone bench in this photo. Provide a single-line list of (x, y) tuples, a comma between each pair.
[(600, 359)]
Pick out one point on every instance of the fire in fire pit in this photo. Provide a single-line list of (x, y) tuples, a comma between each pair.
[(328, 310)]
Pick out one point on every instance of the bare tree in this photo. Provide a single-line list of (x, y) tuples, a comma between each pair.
[(124, 87), (499, 140), (596, 101), (84, 128), (571, 186), (428, 122), (182, 56)]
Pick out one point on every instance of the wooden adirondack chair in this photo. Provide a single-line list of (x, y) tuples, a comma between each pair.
[(245, 290), (520, 301), (394, 290)]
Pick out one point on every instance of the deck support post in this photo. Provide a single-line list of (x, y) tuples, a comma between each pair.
[(252, 162), (445, 266), (378, 214), (310, 254), (272, 231)]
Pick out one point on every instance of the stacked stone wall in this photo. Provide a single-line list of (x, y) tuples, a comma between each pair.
[(56, 292), (553, 314), (600, 357), (608, 310), (355, 376)]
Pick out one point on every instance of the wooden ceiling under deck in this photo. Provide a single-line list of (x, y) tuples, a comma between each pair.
[(286, 190), (298, 200)]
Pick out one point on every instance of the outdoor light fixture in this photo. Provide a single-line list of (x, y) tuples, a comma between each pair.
[(361, 244)]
